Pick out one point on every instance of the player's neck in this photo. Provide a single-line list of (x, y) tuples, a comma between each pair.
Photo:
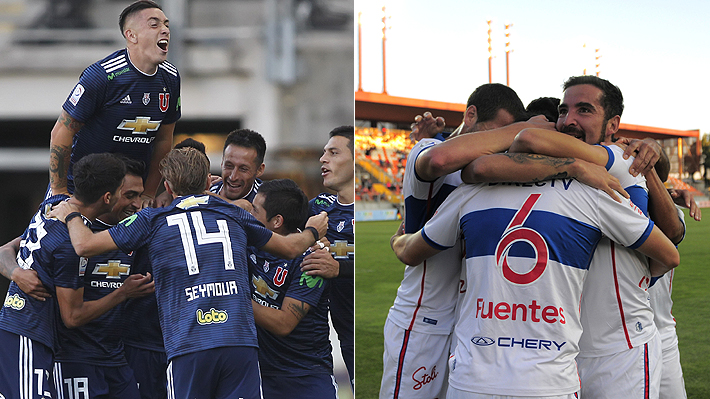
[(141, 63), (90, 211), (347, 195)]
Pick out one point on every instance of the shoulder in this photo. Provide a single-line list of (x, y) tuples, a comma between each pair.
[(169, 70), (323, 200)]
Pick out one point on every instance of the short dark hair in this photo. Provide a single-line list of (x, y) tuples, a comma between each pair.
[(346, 131), (248, 139), (491, 97), (133, 166), (284, 197), (190, 142), (134, 8), (612, 100), (97, 174), (546, 106)]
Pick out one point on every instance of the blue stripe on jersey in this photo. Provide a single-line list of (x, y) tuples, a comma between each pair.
[(639, 196), (610, 161), (644, 237), (415, 210), (432, 243), (415, 162), (570, 242)]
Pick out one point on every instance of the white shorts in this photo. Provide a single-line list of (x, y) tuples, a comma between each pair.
[(631, 374), (454, 393), (414, 364), (672, 383)]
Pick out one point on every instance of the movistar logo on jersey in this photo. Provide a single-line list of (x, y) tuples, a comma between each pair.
[(129, 220), (311, 281), (211, 317), (321, 202), (190, 202), (112, 75), (15, 301)]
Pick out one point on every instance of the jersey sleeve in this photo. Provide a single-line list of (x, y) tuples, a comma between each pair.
[(133, 232), (304, 287), (68, 271), (442, 230), (257, 234), (623, 222), (87, 96)]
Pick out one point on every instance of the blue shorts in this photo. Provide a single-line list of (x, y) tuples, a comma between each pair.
[(149, 367), (77, 380), (317, 386), (25, 368), (219, 373)]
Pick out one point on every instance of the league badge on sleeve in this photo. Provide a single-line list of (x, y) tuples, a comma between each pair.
[(76, 94)]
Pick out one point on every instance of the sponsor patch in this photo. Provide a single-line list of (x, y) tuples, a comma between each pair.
[(15, 301)]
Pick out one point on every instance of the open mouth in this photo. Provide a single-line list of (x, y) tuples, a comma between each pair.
[(163, 44)]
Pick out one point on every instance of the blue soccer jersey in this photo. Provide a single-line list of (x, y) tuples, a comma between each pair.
[(307, 349), (142, 323), (217, 187), (341, 223), (45, 247), (197, 248), (121, 108), (98, 342)]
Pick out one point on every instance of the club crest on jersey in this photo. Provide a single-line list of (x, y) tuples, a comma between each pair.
[(146, 98), (341, 226), (164, 101), (266, 266)]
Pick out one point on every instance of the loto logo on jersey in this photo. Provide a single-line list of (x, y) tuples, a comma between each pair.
[(311, 281), (211, 317), (15, 301), (421, 377)]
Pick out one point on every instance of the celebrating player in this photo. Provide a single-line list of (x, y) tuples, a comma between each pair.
[(126, 103), (338, 171), (242, 165), (196, 247), (290, 308)]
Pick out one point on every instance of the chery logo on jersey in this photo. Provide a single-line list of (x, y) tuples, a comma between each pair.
[(211, 317), (15, 302), (522, 343)]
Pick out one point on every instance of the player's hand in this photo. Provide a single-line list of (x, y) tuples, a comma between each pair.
[(646, 151), (597, 176), (686, 199), (320, 263), (214, 179), (320, 222), (541, 122), (323, 243), (138, 285), (399, 232), (426, 126), (30, 284), (148, 201), (61, 210), (163, 200)]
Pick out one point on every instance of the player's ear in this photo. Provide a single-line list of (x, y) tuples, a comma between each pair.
[(260, 171), (130, 35), (612, 126), (168, 188), (470, 116), (277, 221), (209, 181)]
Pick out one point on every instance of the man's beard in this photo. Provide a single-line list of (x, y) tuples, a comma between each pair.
[(580, 134)]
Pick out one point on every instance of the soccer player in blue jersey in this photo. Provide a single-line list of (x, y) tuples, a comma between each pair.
[(338, 171), (197, 248), (90, 358), (242, 165), (126, 103), (290, 308), (27, 325)]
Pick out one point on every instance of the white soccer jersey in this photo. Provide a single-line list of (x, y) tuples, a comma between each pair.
[(528, 248), (616, 312), (426, 298)]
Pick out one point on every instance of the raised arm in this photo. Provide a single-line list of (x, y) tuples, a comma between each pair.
[(60, 151), (84, 241), (282, 321), (556, 144), (294, 244), (457, 152)]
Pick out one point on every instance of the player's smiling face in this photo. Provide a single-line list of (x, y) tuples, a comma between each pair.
[(151, 33), (129, 200), (239, 171), (337, 167), (259, 212), (582, 114)]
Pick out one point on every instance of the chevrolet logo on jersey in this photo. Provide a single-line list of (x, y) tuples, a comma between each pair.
[(189, 202), (112, 269), (341, 249), (140, 125), (262, 288)]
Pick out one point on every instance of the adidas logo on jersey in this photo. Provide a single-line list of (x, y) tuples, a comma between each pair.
[(126, 100)]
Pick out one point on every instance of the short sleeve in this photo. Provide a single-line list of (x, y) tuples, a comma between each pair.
[(87, 96)]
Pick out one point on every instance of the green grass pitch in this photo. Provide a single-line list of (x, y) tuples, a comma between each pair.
[(378, 274)]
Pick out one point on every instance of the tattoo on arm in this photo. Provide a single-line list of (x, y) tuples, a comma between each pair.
[(59, 157), (525, 158), (69, 122), (298, 309)]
